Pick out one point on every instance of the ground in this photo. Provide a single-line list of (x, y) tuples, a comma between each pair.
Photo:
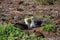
[(15, 11)]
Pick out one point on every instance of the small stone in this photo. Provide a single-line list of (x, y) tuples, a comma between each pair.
[(21, 2), (20, 10), (0, 6)]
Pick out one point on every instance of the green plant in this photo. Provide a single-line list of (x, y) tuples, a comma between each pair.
[(48, 27), (9, 32), (46, 1), (42, 1)]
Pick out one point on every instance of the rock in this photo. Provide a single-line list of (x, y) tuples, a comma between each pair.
[(20, 9), (21, 2), (0, 6)]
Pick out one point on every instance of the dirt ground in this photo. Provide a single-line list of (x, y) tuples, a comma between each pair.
[(15, 11)]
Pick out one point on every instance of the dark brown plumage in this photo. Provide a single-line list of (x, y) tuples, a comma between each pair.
[(21, 26)]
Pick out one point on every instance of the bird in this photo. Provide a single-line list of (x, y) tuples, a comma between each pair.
[(23, 26)]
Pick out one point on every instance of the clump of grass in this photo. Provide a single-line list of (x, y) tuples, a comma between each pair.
[(42, 1), (48, 27), (7, 32), (46, 1)]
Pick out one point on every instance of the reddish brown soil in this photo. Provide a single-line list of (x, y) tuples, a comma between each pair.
[(43, 33), (12, 11)]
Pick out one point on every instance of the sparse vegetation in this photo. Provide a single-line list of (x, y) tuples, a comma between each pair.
[(50, 2), (48, 27), (9, 32)]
